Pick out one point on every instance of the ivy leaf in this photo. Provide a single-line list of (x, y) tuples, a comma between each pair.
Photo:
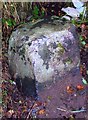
[(83, 43), (43, 12), (81, 38), (73, 21), (35, 12), (3, 20), (10, 22)]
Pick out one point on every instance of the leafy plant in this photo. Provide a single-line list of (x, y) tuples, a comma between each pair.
[(35, 12), (9, 22)]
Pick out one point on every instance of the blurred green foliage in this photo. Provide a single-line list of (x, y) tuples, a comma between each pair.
[(10, 22), (35, 12)]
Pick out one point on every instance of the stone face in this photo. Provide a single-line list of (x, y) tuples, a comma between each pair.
[(44, 53)]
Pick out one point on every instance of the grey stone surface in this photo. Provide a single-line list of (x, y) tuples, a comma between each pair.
[(44, 53)]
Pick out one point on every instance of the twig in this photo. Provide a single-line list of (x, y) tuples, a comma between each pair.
[(30, 111), (61, 109), (75, 111), (78, 111)]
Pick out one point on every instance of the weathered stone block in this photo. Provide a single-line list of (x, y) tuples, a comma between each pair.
[(44, 53)]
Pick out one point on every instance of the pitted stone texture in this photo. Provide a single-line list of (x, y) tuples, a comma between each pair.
[(45, 52)]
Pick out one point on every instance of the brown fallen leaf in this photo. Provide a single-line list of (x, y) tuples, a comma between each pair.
[(69, 89), (80, 87), (9, 113), (41, 112)]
